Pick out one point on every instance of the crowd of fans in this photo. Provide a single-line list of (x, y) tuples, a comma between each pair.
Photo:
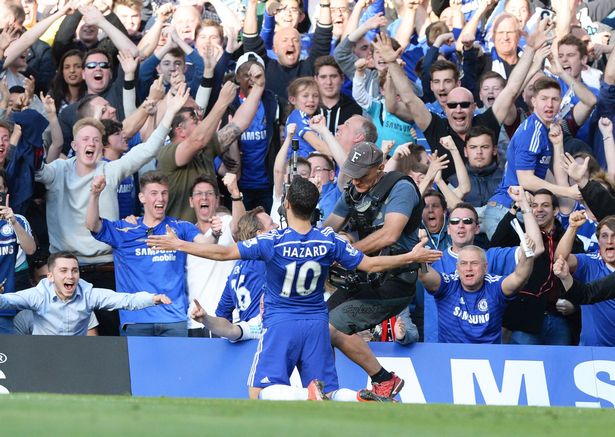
[(183, 116)]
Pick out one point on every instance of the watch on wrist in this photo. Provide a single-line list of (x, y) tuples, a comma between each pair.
[(237, 199)]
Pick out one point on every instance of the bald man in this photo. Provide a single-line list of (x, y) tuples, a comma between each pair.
[(287, 47), (460, 104)]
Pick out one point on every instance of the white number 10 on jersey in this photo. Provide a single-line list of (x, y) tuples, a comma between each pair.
[(301, 285)]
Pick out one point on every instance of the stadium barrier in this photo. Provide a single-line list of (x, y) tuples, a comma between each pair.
[(215, 368), (48, 364)]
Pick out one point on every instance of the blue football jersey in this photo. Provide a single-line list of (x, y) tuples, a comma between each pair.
[(500, 261), (470, 317), (9, 247), (598, 320), (297, 267), (141, 268), (243, 291), (529, 149)]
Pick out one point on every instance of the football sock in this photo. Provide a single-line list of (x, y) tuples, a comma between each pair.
[(279, 392), (381, 376)]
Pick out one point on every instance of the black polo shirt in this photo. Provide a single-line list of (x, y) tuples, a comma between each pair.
[(439, 127)]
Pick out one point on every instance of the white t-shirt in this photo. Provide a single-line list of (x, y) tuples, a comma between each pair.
[(206, 278)]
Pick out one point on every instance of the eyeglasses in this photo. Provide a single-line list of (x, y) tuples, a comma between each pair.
[(465, 220), (339, 10), (204, 194), (289, 9), (464, 105), (93, 64), (321, 169)]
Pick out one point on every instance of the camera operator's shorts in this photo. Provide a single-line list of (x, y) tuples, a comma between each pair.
[(365, 306)]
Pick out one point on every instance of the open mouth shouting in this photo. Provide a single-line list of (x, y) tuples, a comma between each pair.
[(90, 152), (69, 287)]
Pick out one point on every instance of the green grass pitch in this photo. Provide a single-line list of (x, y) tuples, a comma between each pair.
[(68, 415)]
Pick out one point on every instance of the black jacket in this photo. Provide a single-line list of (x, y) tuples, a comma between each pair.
[(345, 108), (526, 312), (278, 77), (484, 183)]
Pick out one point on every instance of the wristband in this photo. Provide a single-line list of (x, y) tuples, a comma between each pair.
[(237, 199), (526, 211), (129, 84), (207, 82), (325, 5)]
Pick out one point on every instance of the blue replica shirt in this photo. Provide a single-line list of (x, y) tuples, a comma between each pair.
[(586, 233), (243, 291), (389, 126), (586, 130), (301, 119), (412, 53), (140, 268), (297, 267), (598, 320), (470, 317), (529, 149), (126, 195), (402, 199), (253, 145), (501, 261), (329, 196), (8, 254)]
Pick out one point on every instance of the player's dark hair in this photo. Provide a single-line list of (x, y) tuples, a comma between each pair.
[(62, 254), (303, 197)]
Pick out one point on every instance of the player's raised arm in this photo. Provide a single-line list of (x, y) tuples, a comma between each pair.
[(169, 241)]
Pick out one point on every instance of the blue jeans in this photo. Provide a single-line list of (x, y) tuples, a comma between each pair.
[(555, 331), (177, 329), (6, 325), (492, 215)]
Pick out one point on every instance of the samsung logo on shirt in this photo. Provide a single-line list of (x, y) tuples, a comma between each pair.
[(254, 135)]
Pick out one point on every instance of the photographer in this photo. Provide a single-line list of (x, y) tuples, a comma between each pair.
[(384, 211)]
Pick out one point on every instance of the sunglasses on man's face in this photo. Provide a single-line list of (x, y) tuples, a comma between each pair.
[(453, 105), (465, 220), (93, 64)]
